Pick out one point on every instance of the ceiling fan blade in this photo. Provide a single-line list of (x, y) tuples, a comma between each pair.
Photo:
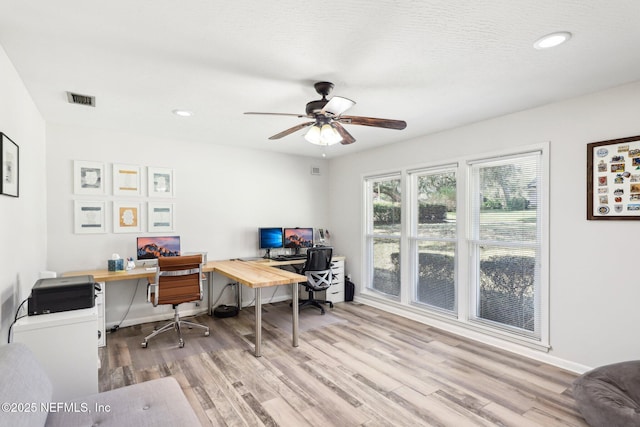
[(337, 105), (277, 114), (291, 130), (375, 122), (347, 138)]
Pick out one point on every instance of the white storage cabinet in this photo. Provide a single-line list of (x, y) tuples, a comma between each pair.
[(335, 293), (65, 345)]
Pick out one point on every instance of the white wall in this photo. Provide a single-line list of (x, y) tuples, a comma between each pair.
[(223, 194), (594, 284), (23, 219)]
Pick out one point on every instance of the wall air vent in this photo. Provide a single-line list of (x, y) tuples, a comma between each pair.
[(76, 98), (315, 170)]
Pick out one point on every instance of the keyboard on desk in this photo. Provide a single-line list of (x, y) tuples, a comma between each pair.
[(289, 257)]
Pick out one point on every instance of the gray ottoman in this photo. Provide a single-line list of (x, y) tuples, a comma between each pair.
[(610, 395)]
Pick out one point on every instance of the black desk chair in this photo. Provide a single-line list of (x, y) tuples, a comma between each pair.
[(317, 268)]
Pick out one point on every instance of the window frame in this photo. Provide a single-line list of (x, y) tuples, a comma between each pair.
[(541, 330), (413, 175), (369, 236), (460, 321)]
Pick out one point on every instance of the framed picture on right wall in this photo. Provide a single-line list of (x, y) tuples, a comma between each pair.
[(613, 179)]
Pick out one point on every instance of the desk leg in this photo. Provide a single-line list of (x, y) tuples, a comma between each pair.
[(258, 308), (209, 291), (294, 303)]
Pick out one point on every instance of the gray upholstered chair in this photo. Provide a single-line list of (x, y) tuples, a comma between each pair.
[(609, 396), (178, 280)]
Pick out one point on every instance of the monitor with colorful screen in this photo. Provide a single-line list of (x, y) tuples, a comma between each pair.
[(298, 237), (270, 237), (153, 247)]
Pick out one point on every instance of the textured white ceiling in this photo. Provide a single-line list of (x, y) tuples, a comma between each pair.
[(436, 64)]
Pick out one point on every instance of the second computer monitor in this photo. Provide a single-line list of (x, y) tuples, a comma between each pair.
[(298, 237)]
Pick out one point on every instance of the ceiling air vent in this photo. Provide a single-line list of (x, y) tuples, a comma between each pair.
[(76, 98)]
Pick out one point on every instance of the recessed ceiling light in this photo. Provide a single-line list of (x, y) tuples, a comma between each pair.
[(183, 113), (552, 40)]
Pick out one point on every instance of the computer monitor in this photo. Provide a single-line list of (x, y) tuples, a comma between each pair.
[(158, 246), (270, 238), (299, 237)]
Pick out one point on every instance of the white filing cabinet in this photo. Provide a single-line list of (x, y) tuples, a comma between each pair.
[(335, 293), (65, 345)]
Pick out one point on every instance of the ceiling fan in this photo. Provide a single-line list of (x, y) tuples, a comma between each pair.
[(326, 126)]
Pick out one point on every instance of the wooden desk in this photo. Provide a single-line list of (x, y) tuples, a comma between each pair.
[(114, 276), (256, 275), (273, 263), (253, 274)]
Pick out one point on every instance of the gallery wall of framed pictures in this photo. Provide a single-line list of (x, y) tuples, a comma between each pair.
[(613, 179), (130, 207)]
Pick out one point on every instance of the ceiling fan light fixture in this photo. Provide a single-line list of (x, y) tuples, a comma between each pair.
[(324, 134), (329, 135), (313, 135), (552, 40), (325, 127)]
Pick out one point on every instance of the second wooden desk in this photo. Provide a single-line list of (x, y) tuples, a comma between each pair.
[(257, 276)]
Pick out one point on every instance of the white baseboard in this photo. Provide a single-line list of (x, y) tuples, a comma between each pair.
[(168, 315)]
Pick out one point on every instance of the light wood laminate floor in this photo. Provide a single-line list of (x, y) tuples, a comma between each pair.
[(356, 366)]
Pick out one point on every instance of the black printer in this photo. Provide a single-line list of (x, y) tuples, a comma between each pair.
[(61, 294)]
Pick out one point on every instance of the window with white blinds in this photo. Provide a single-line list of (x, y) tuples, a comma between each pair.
[(470, 238), (505, 243), (384, 230), (433, 238)]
